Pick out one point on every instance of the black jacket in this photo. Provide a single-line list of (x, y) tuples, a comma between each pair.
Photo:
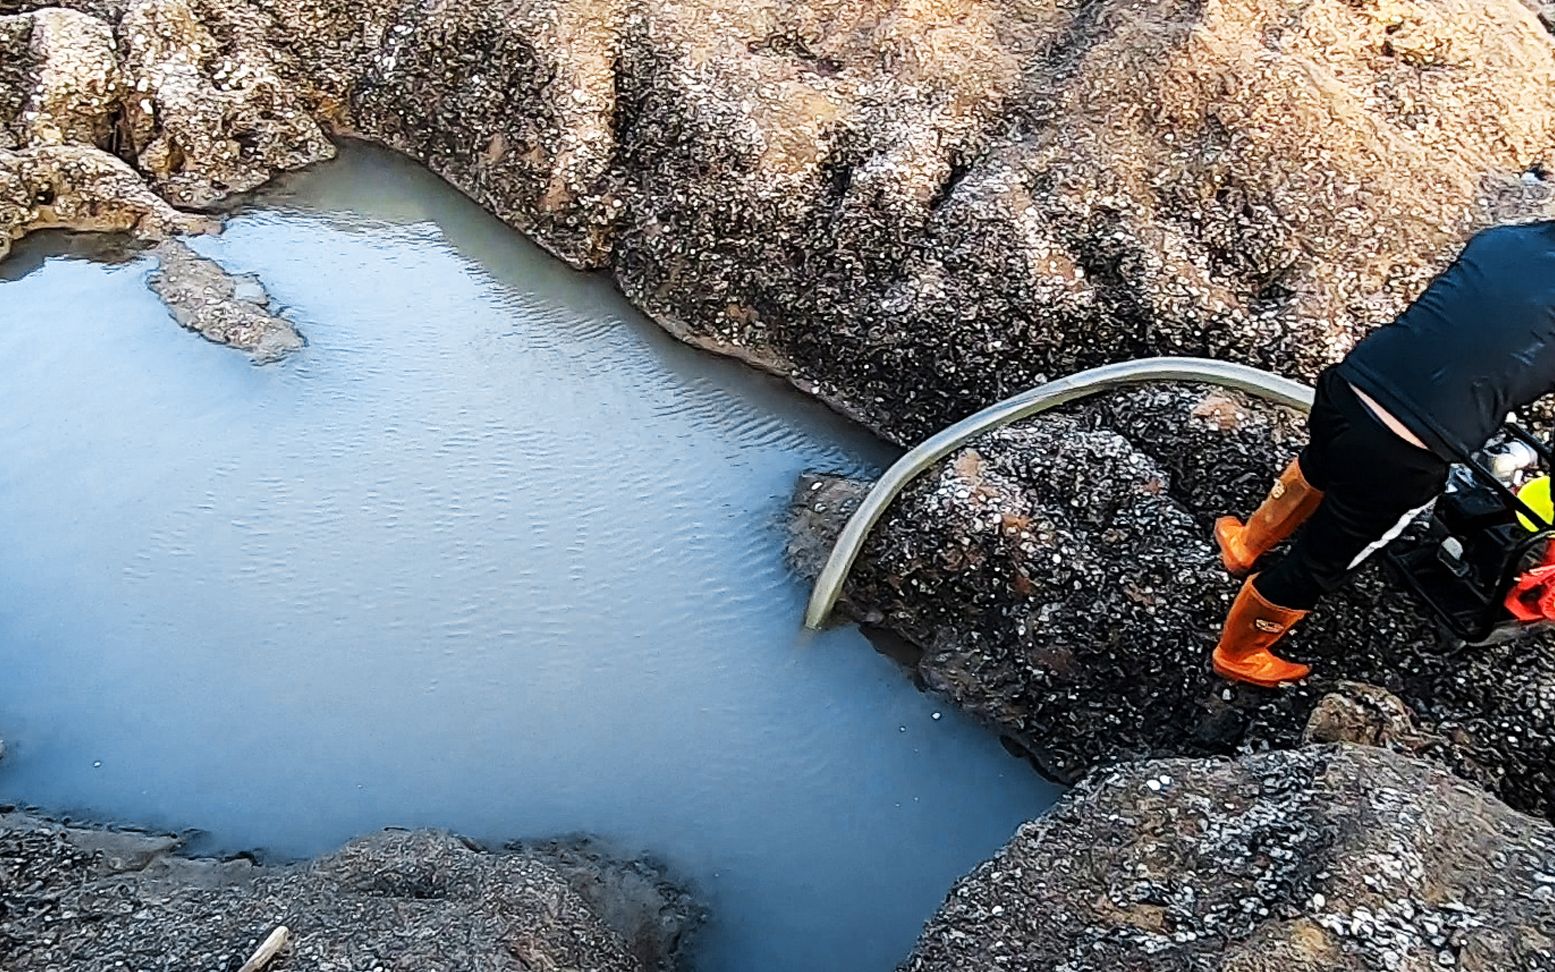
[(1479, 343)]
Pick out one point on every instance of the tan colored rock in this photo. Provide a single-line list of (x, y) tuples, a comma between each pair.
[(910, 207), (914, 208), (1363, 715), (1254, 179), (77, 82), (517, 105), (213, 108), (1367, 715), (81, 188), (60, 83)]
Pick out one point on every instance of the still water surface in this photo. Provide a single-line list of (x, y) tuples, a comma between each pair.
[(492, 553)]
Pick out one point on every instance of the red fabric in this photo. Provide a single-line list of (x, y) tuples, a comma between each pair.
[(1532, 598)]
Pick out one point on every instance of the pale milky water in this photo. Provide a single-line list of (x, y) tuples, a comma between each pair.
[(492, 553)]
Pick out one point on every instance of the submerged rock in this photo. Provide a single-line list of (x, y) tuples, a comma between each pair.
[(1060, 582), (1324, 858), (226, 309), (88, 900)]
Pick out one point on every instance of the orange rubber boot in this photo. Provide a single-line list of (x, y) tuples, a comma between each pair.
[(1290, 502), (1251, 629)]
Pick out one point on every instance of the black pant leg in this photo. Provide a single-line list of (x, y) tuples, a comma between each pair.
[(1373, 480), (1325, 424)]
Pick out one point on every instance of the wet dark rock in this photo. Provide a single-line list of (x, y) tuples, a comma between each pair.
[(1059, 578), (1314, 860), (221, 307), (1364, 715), (85, 899), (821, 507), (632, 896)]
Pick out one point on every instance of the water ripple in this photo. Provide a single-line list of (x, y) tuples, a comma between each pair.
[(491, 553)]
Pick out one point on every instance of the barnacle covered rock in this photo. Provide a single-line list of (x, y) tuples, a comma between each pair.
[(516, 104), (59, 81), (214, 108), (1059, 578), (83, 188), (89, 900), (917, 209), (1325, 859), (913, 209), (910, 208)]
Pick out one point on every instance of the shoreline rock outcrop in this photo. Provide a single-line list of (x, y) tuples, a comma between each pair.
[(82, 188), (89, 899), (910, 209), (1320, 859), (1058, 581)]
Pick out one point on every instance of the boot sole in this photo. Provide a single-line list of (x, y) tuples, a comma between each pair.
[(1235, 676)]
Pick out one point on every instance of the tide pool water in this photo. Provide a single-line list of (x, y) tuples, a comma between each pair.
[(492, 553)]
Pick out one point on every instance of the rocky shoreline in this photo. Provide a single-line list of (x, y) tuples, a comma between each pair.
[(908, 210), (1058, 580), (1326, 858), (86, 898), (911, 210)]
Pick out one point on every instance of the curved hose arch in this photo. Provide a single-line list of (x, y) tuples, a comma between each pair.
[(1253, 381)]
